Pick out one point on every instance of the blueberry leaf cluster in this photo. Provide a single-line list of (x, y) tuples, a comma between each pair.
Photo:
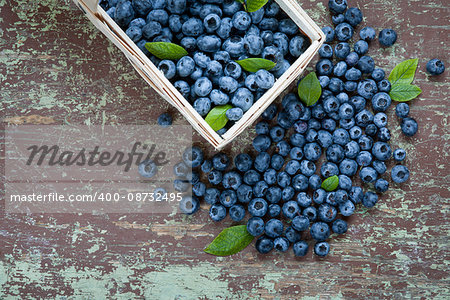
[(230, 241), (255, 64), (217, 118), (401, 78), (165, 50), (309, 89), (331, 183)]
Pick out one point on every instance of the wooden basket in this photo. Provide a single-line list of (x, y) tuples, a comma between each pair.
[(164, 87)]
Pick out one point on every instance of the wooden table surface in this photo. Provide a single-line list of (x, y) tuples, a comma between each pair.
[(55, 67)]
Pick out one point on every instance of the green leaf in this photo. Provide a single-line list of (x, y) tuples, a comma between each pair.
[(241, 1), (217, 118), (404, 92), (255, 64), (230, 241), (254, 5), (404, 72), (331, 183), (163, 50), (309, 89)]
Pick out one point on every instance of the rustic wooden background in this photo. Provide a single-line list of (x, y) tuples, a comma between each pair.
[(55, 67)]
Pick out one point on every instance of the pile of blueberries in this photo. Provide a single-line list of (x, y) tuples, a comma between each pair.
[(215, 33), (345, 133)]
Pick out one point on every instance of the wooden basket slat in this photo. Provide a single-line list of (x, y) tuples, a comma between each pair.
[(164, 87)]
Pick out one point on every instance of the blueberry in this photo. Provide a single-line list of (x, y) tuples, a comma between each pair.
[(339, 226), (353, 74), (277, 162), (402, 110), (186, 66), (387, 37), (228, 84), (261, 143), (287, 193), (336, 85), (124, 13), (257, 16), (281, 41), (296, 153), (381, 150), (189, 205), (314, 181), (189, 43), (134, 33), (283, 148), (274, 210), (329, 34), (341, 136), (319, 196), (365, 142), (273, 194), (399, 154), (274, 54), (337, 6), (353, 16), (241, 20), (234, 114), (148, 168), (324, 138), (244, 193), (211, 195), (347, 208), (399, 174), (300, 248), (202, 106), (281, 244), (273, 228), (218, 97), (209, 43), (262, 161), (320, 231), (226, 25), (329, 169), (223, 57), (368, 174), (358, 103), (370, 199), (366, 64), (381, 101), (379, 166), (287, 26), (199, 189), (381, 185), (165, 120), (270, 112), (220, 161), (324, 67), (367, 34), (214, 70), (251, 177), (338, 19), (409, 126), (228, 198), (262, 128), (355, 132), (339, 70), (158, 15), (324, 81), (264, 245), (348, 167), (193, 157), (304, 200), (230, 7), (312, 151), (364, 158), (300, 182), (344, 32), (257, 207), (347, 123), (383, 134), (329, 124), (141, 7), (151, 29), (254, 44), (351, 149), (342, 50), (361, 47), (237, 212), (322, 249), (356, 194), (111, 12), (268, 24), (211, 22), (367, 89), (217, 212), (264, 79), (233, 69), (378, 74), (380, 120), (243, 99), (176, 6), (202, 86), (231, 180), (260, 189), (435, 67), (290, 209), (384, 86), (210, 9), (326, 213), (180, 170), (192, 27), (292, 235)]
